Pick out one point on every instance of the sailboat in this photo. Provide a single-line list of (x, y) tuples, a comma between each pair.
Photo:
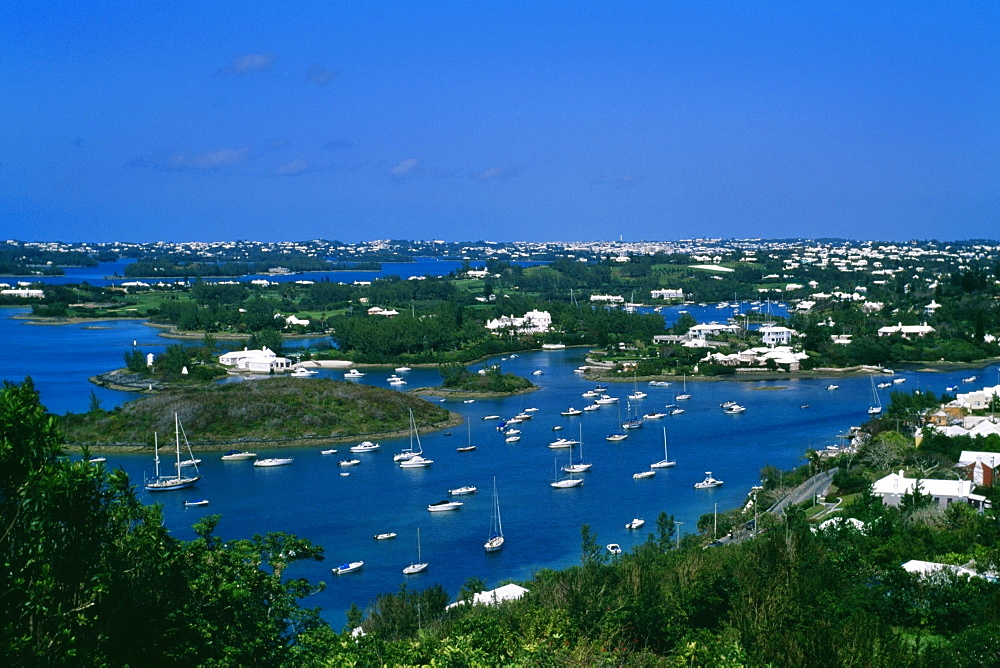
[(578, 466), (165, 483), (633, 421), (617, 435), (565, 483), (664, 463), (416, 459), (495, 541), (876, 407), (469, 447), (417, 566), (636, 392), (683, 396)]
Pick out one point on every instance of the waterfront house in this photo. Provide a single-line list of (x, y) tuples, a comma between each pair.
[(264, 360), (667, 293), (773, 335), (711, 329), (978, 400), (533, 322)]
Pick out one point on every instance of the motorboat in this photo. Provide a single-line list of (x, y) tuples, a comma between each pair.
[(832, 387), (491, 417), (187, 462), (331, 451), (676, 411), (654, 416), (179, 480), (458, 491), (274, 461), (237, 455), (97, 460), (642, 475), (635, 523), (365, 446), (444, 505), (727, 404), (536, 372), (512, 432), (348, 462), (563, 443), (614, 548), (592, 407), (201, 502), (571, 411), (558, 427), (734, 409), (522, 416), (354, 373), (402, 369), (512, 439), (889, 384), (590, 394), (708, 482), (469, 401), (466, 448), (617, 436), (302, 372), (348, 567), (415, 462), (638, 394), (659, 383), (897, 381), (605, 399), (530, 410), (385, 536), (395, 380)]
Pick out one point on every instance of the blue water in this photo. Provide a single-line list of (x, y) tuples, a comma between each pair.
[(542, 525)]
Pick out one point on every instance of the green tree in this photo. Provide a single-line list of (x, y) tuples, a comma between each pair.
[(135, 361)]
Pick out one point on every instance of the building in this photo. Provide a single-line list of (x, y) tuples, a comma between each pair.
[(533, 322), (773, 335), (894, 486), (508, 592), (264, 360), (711, 329), (607, 299), (667, 293), (906, 331), (980, 467)]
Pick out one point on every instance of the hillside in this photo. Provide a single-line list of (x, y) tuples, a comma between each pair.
[(272, 410)]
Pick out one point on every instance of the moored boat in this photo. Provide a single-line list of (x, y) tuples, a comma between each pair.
[(708, 482), (445, 504), (348, 567), (237, 455), (385, 536), (274, 461)]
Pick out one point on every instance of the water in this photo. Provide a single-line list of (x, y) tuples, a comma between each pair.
[(542, 525)]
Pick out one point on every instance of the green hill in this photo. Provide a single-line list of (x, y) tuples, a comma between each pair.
[(266, 410)]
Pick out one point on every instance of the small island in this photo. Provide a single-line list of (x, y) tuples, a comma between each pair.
[(461, 383)]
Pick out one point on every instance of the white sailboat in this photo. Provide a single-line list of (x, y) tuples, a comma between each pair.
[(618, 434), (664, 463), (468, 447), (876, 407), (578, 466), (564, 483), (683, 396), (495, 541), (416, 459), (160, 483), (417, 566)]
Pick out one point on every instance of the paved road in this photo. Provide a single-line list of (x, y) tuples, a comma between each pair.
[(818, 484)]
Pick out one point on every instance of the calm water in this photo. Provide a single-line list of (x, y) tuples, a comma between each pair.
[(542, 525)]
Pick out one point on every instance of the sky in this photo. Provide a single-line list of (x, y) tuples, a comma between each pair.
[(505, 121)]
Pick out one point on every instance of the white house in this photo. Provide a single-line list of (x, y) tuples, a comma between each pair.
[(667, 293), (264, 360), (773, 335), (707, 330), (608, 299), (906, 331), (508, 592), (533, 322), (978, 400), (292, 320), (945, 492)]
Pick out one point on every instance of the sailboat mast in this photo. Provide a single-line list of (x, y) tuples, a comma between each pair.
[(177, 435), (156, 454)]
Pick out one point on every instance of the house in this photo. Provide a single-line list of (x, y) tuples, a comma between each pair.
[(978, 400), (607, 299), (264, 360), (773, 335), (894, 486), (980, 467), (533, 322), (23, 293), (378, 310), (711, 329), (508, 592), (906, 331), (292, 320), (667, 293)]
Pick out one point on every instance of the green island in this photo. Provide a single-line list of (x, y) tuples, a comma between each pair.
[(277, 411)]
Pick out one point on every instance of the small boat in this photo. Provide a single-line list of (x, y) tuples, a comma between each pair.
[(365, 446), (642, 475), (537, 372), (605, 399), (98, 460), (617, 436), (804, 406), (831, 386), (495, 540), (444, 505), (727, 404), (385, 536), (331, 451), (734, 409), (592, 407), (659, 383), (469, 401), (530, 410), (303, 372), (897, 381), (563, 443), (344, 474), (558, 427), (402, 369), (512, 439), (523, 416), (458, 491), (664, 463), (348, 568), (512, 432), (187, 462), (237, 455), (676, 411), (415, 462), (635, 523), (882, 386), (571, 411), (950, 388), (354, 373), (202, 502), (274, 461), (654, 416), (708, 482), (466, 448), (348, 462), (491, 417), (614, 548), (417, 566), (970, 379)]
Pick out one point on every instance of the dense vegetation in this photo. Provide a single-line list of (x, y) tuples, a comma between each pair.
[(273, 409), (492, 380)]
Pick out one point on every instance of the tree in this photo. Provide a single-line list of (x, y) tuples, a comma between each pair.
[(683, 323), (591, 552), (95, 403), (134, 361)]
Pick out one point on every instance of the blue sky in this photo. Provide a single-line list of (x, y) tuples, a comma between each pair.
[(184, 121)]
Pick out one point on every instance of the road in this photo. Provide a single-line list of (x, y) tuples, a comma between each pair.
[(818, 484)]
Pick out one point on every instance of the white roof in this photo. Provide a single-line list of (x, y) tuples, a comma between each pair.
[(508, 592), (897, 483)]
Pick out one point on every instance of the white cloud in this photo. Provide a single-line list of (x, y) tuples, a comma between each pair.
[(294, 167), (405, 167), (250, 62), (205, 161)]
